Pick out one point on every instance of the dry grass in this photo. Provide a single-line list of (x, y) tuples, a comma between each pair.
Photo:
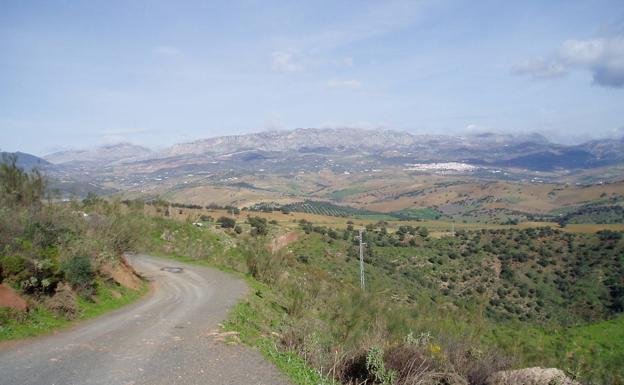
[(437, 228)]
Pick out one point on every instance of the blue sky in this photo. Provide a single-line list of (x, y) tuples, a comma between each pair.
[(81, 73)]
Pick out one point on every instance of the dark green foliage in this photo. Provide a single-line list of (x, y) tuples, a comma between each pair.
[(40, 276), (18, 187), (91, 199), (35, 236), (11, 265), (79, 273), (320, 208), (44, 233), (226, 222), (595, 213), (259, 226)]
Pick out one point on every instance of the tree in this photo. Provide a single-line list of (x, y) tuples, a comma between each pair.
[(91, 199), (18, 187), (258, 225), (226, 222)]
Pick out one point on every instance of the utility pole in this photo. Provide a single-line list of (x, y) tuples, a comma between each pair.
[(361, 260)]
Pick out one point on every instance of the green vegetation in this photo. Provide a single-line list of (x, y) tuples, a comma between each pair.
[(339, 195), (251, 320), (457, 307), (325, 208), (502, 297), (52, 254), (424, 213), (227, 222), (310, 310), (316, 207), (41, 320)]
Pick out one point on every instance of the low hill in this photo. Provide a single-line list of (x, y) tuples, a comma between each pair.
[(26, 161)]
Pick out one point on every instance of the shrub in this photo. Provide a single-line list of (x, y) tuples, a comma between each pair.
[(226, 222), (11, 265), (79, 273), (18, 187), (261, 264), (376, 367), (41, 276), (258, 225), (63, 302)]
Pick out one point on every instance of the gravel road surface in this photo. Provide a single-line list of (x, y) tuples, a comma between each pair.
[(166, 338)]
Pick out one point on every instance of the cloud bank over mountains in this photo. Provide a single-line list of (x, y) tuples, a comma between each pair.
[(602, 57)]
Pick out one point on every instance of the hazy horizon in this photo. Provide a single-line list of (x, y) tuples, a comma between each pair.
[(78, 75)]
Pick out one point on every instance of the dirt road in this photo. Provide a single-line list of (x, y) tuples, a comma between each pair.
[(163, 339)]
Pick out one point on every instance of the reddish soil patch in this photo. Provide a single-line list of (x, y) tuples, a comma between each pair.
[(122, 273), (10, 298), (283, 241)]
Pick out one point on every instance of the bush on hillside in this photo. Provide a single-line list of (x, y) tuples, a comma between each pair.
[(79, 272), (226, 222)]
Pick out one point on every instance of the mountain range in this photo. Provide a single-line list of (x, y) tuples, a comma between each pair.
[(533, 151)]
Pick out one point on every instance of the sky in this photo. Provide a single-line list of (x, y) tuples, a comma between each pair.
[(76, 74)]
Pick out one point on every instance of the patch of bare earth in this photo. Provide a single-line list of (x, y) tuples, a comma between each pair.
[(11, 298), (122, 273), (283, 241)]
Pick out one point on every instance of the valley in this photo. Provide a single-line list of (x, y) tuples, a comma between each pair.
[(488, 258)]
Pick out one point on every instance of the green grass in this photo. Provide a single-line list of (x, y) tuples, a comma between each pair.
[(339, 195), (513, 199), (375, 217), (254, 318), (592, 352), (425, 213), (589, 347), (40, 321), (421, 285)]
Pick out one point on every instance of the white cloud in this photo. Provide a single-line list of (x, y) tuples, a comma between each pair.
[(345, 83), (166, 50), (604, 58), (282, 61), (539, 68)]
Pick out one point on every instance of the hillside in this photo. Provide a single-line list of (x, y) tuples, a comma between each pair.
[(102, 155), (27, 161), (518, 296), (307, 163)]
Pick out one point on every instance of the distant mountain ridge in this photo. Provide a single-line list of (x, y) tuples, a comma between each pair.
[(532, 151), (107, 154)]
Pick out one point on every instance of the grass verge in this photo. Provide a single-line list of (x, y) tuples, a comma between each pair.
[(255, 318), (40, 321)]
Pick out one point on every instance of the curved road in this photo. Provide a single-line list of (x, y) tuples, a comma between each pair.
[(166, 338)]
